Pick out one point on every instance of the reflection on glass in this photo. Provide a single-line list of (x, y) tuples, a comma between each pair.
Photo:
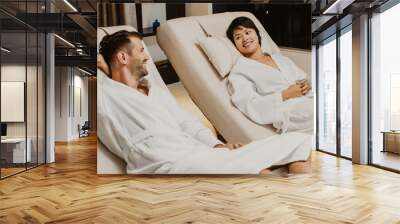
[(385, 84), (327, 96), (346, 94)]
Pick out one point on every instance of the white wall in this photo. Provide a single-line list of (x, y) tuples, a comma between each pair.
[(17, 73), (33, 126), (152, 11), (68, 81), (80, 83), (62, 81), (302, 58), (130, 14), (14, 73), (198, 9)]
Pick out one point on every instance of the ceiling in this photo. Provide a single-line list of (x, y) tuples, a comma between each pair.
[(73, 20), (330, 16), (76, 22)]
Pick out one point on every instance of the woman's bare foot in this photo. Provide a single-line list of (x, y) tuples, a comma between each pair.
[(265, 172), (300, 167)]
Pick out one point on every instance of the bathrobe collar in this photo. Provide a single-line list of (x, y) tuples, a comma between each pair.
[(282, 71)]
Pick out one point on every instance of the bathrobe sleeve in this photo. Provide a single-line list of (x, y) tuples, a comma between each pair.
[(113, 121), (188, 123), (298, 72), (262, 109), (195, 128)]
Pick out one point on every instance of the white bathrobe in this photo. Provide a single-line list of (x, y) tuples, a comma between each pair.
[(256, 90), (154, 136)]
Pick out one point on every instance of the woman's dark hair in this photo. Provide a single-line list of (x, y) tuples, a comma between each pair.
[(111, 44), (241, 21)]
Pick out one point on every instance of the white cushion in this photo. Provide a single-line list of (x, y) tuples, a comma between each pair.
[(217, 24), (220, 52)]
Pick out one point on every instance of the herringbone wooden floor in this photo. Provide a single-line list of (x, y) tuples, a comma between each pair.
[(70, 191)]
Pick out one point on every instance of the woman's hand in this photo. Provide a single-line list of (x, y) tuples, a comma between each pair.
[(292, 91), (305, 86), (102, 65), (230, 146)]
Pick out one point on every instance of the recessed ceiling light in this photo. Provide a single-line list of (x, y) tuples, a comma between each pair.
[(65, 41), (5, 50), (70, 5), (84, 71), (337, 7)]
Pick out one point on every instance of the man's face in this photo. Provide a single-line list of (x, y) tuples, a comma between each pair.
[(137, 58)]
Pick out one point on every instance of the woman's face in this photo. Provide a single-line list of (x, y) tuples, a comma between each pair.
[(246, 40)]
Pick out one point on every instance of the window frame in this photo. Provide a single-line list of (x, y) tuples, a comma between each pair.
[(334, 37)]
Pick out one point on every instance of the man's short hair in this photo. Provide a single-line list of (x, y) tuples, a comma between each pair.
[(111, 44)]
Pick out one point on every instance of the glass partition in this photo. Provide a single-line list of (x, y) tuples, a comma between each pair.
[(22, 77), (385, 89), (14, 153), (327, 96), (346, 93)]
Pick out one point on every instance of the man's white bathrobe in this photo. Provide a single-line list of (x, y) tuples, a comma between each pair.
[(256, 90), (153, 135)]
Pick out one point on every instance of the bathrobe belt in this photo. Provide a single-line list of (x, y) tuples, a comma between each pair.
[(148, 133)]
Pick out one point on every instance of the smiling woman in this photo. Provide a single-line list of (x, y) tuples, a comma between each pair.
[(282, 92)]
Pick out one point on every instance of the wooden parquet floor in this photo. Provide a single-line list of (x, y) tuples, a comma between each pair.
[(70, 191)]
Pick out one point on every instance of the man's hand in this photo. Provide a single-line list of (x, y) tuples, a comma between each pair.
[(230, 146), (102, 65), (144, 86)]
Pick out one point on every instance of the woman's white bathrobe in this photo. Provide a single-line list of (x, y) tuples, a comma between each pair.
[(256, 90), (153, 135)]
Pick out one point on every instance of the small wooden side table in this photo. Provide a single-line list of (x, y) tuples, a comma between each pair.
[(391, 141)]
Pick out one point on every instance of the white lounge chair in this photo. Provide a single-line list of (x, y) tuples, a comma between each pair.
[(179, 40)]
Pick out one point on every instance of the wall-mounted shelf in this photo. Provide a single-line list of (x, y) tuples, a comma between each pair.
[(148, 32)]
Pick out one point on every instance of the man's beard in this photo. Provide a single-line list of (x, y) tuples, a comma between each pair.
[(142, 72), (139, 71)]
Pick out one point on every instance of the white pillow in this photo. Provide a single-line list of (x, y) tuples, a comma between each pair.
[(221, 53)]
